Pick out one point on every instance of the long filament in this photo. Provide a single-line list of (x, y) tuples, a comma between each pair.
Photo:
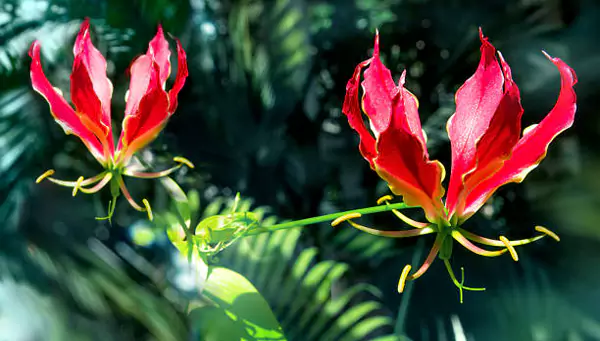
[(385, 199), (128, 196), (98, 186), (474, 248), (430, 258), (154, 175), (84, 182), (493, 242)]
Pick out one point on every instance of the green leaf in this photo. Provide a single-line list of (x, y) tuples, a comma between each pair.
[(309, 295), (239, 311)]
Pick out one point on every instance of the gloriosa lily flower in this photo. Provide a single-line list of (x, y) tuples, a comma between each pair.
[(488, 149), (147, 110)]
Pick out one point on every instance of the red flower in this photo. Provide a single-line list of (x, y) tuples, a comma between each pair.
[(488, 149), (147, 110)]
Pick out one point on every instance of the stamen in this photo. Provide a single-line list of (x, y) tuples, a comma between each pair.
[(385, 199), (403, 277), (98, 186), (547, 232), (392, 234), (128, 196), (493, 242), (184, 161), (151, 175), (474, 248), (154, 175), (510, 248), (85, 182), (46, 174), (77, 185), (409, 221), (345, 217), (430, 258), (148, 208)]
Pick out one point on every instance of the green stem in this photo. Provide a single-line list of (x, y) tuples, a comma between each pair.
[(324, 218)]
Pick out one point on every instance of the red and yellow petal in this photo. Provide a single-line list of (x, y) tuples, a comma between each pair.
[(90, 87), (63, 113), (395, 145), (477, 102), (182, 73), (352, 109), (402, 161), (143, 125), (158, 50), (531, 149), (497, 143), (141, 72), (379, 92)]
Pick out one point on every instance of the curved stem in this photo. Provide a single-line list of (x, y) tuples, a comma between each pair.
[(474, 248), (324, 218)]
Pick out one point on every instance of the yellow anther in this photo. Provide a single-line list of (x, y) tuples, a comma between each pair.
[(345, 217), (384, 198), (403, 277), (548, 233), (510, 248), (183, 160), (46, 174), (77, 185), (148, 209)]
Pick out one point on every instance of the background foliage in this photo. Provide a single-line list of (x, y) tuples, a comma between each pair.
[(260, 114)]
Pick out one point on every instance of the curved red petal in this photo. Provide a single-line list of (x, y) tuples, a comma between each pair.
[(89, 68), (498, 141), (351, 108), (89, 108), (396, 148), (531, 149), (402, 160), (476, 103), (141, 71), (146, 72), (182, 73), (379, 91), (158, 50), (141, 126), (63, 113)]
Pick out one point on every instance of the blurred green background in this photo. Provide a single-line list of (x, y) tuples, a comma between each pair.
[(261, 114)]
